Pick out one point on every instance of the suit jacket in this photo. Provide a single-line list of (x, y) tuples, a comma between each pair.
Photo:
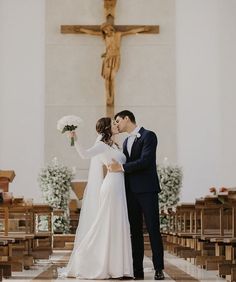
[(140, 167)]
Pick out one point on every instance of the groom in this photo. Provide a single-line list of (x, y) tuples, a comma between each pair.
[(142, 188)]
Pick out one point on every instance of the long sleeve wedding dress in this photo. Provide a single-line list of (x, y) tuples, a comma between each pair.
[(102, 247)]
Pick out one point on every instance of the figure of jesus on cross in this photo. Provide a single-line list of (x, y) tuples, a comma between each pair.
[(112, 35), (111, 58)]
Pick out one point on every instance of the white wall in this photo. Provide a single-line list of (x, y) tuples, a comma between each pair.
[(205, 59), (22, 92), (205, 78), (145, 82), (228, 90)]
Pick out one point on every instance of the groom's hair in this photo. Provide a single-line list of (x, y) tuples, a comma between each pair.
[(126, 113)]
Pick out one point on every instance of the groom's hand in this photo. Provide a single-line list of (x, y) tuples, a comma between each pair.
[(114, 166)]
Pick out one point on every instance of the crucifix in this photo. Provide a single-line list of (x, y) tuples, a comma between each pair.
[(111, 34)]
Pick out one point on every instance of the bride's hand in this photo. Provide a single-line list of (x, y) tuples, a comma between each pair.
[(72, 134)]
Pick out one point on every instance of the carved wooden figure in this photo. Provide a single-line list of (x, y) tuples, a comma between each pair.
[(111, 57), (109, 10), (111, 35)]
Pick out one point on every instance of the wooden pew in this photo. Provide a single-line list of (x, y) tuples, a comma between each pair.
[(43, 236), (209, 232), (6, 176), (182, 237), (19, 228)]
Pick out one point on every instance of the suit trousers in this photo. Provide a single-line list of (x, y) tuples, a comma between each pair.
[(147, 205)]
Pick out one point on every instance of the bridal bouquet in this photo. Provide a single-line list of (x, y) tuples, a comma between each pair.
[(69, 123)]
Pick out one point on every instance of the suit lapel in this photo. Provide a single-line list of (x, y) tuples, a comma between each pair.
[(125, 151)]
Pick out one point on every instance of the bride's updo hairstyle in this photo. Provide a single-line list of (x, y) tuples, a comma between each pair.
[(103, 127)]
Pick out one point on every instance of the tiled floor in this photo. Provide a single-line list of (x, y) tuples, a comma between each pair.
[(176, 269)]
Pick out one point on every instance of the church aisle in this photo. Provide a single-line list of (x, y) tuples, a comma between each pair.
[(176, 270), (181, 270)]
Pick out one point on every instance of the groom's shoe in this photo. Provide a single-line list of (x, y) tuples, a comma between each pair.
[(159, 275), (138, 276)]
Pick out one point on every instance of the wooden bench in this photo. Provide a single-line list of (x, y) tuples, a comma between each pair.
[(205, 232)]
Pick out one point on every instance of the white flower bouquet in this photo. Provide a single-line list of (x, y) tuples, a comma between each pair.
[(69, 123)]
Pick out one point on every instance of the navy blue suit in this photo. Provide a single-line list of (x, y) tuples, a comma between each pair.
[(142, 188)]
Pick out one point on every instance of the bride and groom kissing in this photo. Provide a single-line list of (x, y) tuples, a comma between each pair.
[(109, 239)]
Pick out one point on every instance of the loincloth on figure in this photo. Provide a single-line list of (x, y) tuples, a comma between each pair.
[(110, 66)]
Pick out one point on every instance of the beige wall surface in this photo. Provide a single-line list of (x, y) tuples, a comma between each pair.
[(145, 82)]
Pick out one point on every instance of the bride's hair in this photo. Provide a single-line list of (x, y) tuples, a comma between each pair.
[(103, 127)]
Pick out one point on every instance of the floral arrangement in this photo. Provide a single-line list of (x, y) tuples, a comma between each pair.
[(60, 223), (69, 123), (42, 223), (213, 190), (55, 183), (170, 178), (223, 189)]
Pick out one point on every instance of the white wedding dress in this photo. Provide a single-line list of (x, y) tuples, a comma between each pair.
[(102, 247)]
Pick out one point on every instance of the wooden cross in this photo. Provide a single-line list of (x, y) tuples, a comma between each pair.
[(112, 35)]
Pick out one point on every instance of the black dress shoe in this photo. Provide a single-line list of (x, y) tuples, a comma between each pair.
[(138, 276), (159, 275)]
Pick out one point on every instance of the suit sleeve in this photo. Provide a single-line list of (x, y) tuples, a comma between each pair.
[(148, 155)]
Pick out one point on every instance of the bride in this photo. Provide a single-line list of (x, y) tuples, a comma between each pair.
[(102, 247)]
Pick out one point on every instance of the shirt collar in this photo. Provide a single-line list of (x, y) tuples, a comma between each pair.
[(135, 131)]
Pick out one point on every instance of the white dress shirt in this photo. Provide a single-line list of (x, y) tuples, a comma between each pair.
[(131, 138)]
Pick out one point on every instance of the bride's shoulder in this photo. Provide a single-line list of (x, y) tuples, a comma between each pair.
[(101, 144)]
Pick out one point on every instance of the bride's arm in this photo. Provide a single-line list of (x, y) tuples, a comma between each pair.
[(98, 148)]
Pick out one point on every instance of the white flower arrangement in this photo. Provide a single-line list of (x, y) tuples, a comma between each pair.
[(69, 123), (42, 223), (55, 183), (60, 224), (170, 178)]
